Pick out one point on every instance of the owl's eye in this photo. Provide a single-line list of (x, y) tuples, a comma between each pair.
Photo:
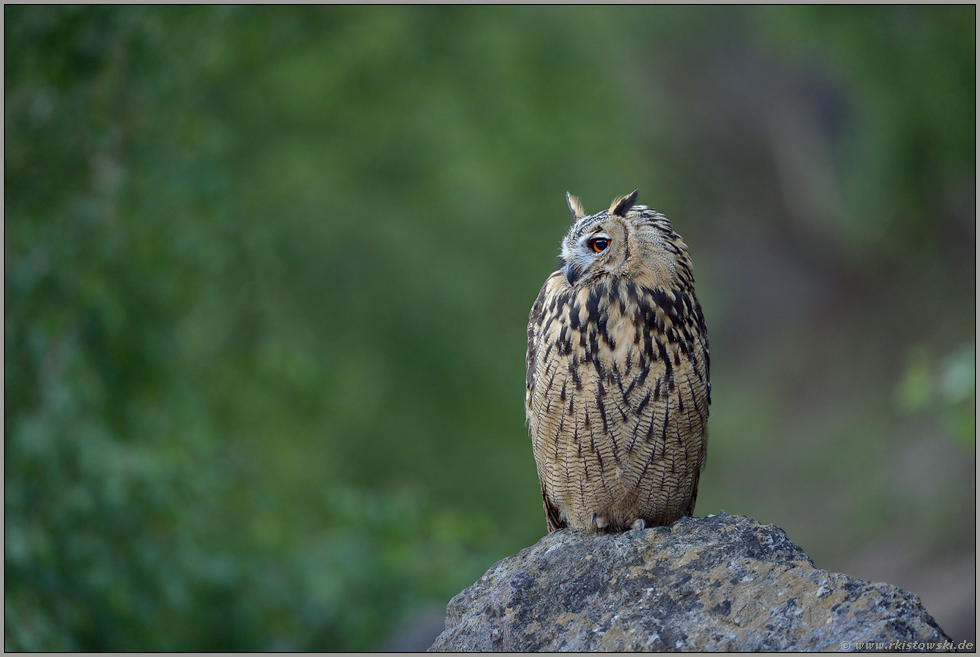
[(600, 244)]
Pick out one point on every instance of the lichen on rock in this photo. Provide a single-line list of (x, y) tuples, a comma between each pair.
[(721, 583)]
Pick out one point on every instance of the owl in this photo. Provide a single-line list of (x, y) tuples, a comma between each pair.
[(618, 380)]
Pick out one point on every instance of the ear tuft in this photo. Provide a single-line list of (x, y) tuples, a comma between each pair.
[(575, 206), (622, 205)]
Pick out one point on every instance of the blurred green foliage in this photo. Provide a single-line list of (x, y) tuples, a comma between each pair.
[(908, 72), (949, 388), (267, 275)]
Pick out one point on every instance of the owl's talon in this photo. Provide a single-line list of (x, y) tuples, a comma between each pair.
[(598, 523), (639, 525)]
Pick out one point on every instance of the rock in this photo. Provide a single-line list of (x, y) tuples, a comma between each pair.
[(705, 584)]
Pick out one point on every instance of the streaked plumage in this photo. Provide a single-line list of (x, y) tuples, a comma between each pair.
[(618, 380)]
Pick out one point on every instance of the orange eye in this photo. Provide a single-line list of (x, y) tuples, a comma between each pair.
[(600, 244)]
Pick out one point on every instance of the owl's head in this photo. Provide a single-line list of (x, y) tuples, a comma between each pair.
[(624, 242)]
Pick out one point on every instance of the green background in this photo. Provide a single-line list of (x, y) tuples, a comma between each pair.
[(268, 271)]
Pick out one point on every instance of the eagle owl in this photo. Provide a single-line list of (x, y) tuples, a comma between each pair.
[(618, 381)]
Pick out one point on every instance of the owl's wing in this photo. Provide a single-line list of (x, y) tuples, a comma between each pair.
[(674, 365), (535, 328), (703, 354), (551, 515), (692, 376), (694, 490)]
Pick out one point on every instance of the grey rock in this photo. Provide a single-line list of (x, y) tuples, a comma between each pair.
[(702, 584)]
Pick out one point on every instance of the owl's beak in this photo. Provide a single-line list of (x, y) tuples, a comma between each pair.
[(572, 273)]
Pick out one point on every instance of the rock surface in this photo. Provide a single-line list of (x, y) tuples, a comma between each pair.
[(717, 583)]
